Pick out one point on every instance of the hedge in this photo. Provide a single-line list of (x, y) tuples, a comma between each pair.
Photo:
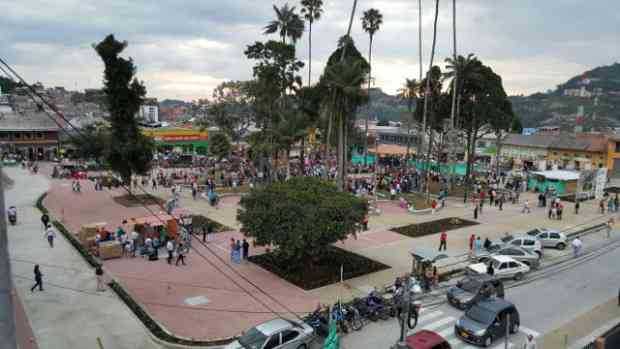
[(137, 309)]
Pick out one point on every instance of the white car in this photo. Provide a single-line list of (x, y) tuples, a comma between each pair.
[(549, 238), (275, 334), (526, 242), (504, 268)]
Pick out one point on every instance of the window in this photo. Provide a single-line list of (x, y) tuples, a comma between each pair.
[(513, 265), (17, 135), (503, 266), (289, 335), (543, 235), (516, 242), (555, 235), (528, 242), (273, 342)]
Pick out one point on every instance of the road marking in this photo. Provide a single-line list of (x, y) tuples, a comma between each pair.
[(529, 331), (429, 316), (439, 323)]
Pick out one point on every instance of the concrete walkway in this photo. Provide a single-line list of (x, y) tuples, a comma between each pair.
[(69, 313)]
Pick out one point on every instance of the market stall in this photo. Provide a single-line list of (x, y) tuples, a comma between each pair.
[(562, 182)]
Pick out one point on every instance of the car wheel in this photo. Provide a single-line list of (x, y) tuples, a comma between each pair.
[(518, 276), (514, 328), (560, 246), (303, 346), (488, 342)]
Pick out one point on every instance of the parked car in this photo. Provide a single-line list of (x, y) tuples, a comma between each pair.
[(426, 339), (473, 288), (276, 334), (529, 258), (504, 268), (549, 238), (486, 321), (525, 242)]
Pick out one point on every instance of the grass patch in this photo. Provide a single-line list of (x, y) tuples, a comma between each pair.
[(323, 273), (433, 227), (138, 200)]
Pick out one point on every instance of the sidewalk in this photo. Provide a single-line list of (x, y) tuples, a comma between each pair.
[(576, 331), (69, 313)]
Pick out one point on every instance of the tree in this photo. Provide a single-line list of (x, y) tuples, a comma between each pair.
[(287, 24), (428, 81), (129, 151), (231, 108), (312, 11), (371, 23), (219, 145), (409, 92), (501, 122), (92, 142), (301, 218)]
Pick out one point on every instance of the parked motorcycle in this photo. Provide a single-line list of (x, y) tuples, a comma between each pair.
[(319, 320)]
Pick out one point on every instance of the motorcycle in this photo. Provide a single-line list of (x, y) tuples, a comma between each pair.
[(407, 311), (12, 213), (319, 321)]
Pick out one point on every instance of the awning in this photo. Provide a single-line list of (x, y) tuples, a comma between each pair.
[(423, 254)]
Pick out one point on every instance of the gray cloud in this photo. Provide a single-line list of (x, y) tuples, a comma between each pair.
[(183, 48)]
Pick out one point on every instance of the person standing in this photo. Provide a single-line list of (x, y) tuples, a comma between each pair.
[(238, 252), (472, 238), (490, 270), (50, 234), (477, 245), (38, 278), (501, 202), (476, 212), (245, 247), (576, 244), (134, 242), (99, 276), (180, 255), (45, 219), (577, 206), (526, 207), (530, 343), (233, 245), (170, 249), (443, 241)]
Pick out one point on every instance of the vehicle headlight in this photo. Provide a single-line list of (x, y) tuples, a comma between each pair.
[(480, 332)]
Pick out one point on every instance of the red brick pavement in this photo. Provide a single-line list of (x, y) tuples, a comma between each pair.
[(23, 330)]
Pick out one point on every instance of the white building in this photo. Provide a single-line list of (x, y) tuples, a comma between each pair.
[(149, 111)]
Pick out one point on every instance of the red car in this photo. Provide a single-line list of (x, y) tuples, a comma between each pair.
[(425, 339)]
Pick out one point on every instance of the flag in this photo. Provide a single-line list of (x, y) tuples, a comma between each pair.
[(332, 341)]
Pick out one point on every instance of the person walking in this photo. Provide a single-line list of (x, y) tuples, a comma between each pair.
[(245, 247), (443, 241), (99, 277), (180, 255), (238, 252), (576, 244), (501, 202), (490, 270), (472, 238), (170, 249), (38, 278), (577, 206), (45, 219), (477, 244), (530, 343), (233, 245), (50, 234), (526, 207), (476, 212)]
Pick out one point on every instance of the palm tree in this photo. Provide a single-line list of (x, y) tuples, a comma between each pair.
[(371, 23), (467, 69), (344, 82), (428, 86), (287, 23), (311, 10), (408, 93)]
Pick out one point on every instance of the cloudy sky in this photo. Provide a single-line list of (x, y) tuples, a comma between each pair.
[(184, 48)]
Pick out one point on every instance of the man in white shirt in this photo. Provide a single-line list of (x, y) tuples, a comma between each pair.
[(134, 242), (50, 234), (170, 249), (530, 343), (576, 244)]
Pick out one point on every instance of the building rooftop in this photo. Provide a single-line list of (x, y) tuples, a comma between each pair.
[(591, 142), (27, 122)]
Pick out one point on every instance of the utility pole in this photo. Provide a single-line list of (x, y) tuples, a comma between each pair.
[(451, 132)]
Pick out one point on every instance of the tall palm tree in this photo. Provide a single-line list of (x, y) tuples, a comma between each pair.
[(287, 23), (427, 93), (453, 116), (312, 11), (467, 69), (408, 93), (371, 23)]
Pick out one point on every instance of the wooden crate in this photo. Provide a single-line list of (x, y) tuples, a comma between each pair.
[(89, 231), (110, 249)]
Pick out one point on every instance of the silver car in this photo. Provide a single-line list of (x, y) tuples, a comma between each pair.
[(549, 238), (527, 243), (529, 258), (276, 334)]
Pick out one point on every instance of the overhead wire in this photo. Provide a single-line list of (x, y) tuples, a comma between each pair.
[(33, 93)]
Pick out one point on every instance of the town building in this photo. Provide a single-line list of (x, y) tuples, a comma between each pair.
[(33, 136), (184, 140), (149, 111)]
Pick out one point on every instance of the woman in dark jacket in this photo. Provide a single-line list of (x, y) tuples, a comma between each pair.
[(38, 278)]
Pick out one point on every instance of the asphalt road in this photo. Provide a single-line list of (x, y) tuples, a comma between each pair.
[(544, 305)]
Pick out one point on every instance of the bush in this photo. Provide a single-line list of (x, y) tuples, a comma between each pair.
[(433, 227)]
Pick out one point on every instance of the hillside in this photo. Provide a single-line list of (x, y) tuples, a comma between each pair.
[(597, 91), (383, 106)]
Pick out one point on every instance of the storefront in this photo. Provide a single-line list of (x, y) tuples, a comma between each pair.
[(179, 140)]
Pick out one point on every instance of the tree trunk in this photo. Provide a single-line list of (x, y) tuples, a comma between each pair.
[(428, 164), (302, 154), (310, 53), (368, 113), (340, 151), (498, 148)]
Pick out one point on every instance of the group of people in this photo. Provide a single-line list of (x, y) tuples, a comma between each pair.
[(239, 250)]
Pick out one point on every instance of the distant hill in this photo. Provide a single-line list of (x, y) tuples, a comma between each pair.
[(172, 103), (596, 90), (383, 106)]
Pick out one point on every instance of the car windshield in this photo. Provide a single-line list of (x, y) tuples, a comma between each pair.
[(507, 238), (252, 339), (480, 314), (470, 285)]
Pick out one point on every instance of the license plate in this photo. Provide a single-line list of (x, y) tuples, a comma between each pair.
[(464, 334)]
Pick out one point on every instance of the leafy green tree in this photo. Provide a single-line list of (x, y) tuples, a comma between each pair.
[(312, 11), (409, 92), (219, 145), (231, 108), (301, 218), (92, 142), (129, 151), (287, 24), (371, 23)]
